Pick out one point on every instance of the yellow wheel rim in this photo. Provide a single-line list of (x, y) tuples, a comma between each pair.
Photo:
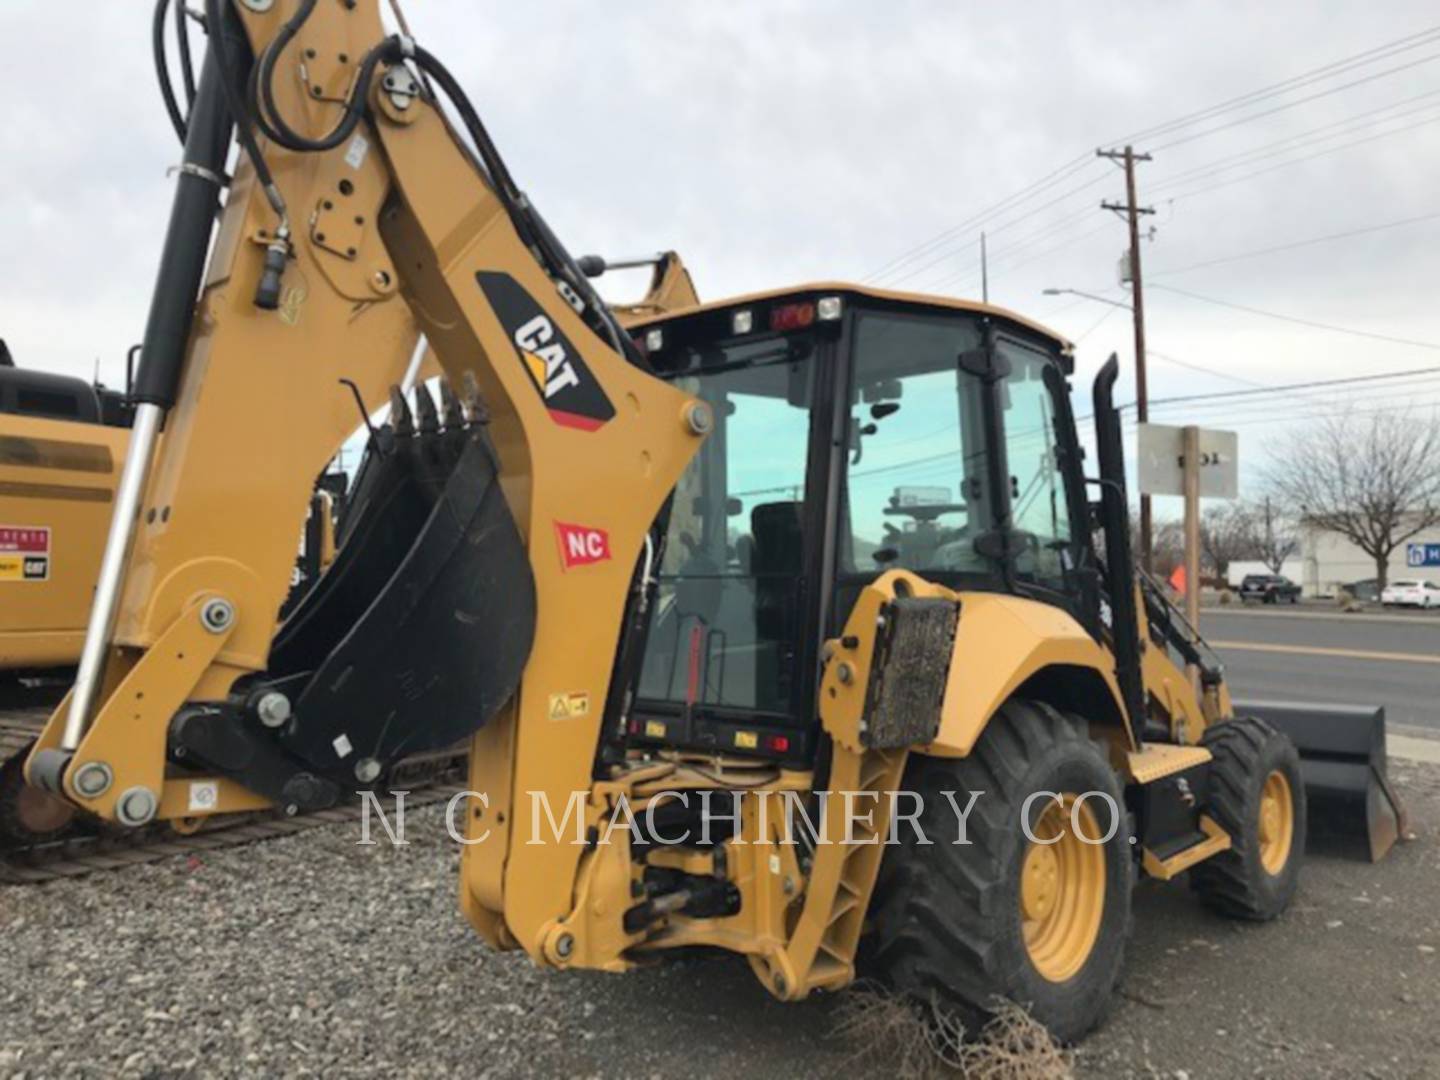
[(1062, 891), (1277, 823)]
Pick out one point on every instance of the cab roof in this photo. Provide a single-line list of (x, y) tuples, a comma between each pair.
[(951, 303)]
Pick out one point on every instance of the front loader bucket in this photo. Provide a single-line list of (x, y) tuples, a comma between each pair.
[(1350, 802)]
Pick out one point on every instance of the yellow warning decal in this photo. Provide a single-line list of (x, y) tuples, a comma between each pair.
[(570, 706), (654, 729), (747, 740)]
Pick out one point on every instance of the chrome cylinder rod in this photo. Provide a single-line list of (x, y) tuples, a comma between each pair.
[(133, 477), (162, 356)]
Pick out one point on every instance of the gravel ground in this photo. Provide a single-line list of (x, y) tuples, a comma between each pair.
[(310, 955)]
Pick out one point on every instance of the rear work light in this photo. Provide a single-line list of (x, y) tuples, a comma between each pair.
[(654, 340), (742, 321), (792, 316), (829, 308)]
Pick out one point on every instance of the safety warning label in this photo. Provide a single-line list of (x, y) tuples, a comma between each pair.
[(24, 553)]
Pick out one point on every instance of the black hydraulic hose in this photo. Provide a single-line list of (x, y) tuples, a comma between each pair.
[(216, 16), (527, 222), (523, 215), (268, 111), (162, 66), (187, 63), (187, 239)]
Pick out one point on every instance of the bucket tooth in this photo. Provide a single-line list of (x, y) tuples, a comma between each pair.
[(427, 417), (450, 406), (473, 400), (400, 417)]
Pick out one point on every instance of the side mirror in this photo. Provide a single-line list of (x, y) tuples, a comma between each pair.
[(882, 409)]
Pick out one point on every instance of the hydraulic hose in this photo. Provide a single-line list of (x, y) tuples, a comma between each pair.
[(187, 62), (162, 66), (526, 220), (268, 111), (267, 292)]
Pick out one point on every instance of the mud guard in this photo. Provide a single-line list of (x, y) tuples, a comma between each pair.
[(1350, 801)]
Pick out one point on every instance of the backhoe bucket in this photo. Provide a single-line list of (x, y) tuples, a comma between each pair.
[(1350, 802), (415, 636)]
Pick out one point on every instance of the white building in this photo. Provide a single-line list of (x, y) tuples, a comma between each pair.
[(1329, 561)]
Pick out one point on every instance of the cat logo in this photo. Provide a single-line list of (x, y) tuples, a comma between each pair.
[(565, 384)]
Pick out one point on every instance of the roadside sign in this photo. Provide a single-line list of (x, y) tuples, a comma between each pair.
[(1418, 555), (1160, 462)]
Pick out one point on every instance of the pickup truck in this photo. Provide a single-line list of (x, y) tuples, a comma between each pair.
[(1269, 589)]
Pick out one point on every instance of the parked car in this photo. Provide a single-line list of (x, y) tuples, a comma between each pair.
[(1411, 593), (1269, 589), (1367, 590)]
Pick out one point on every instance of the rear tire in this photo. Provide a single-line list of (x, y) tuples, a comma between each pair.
[(1257, 795), (956, 925)]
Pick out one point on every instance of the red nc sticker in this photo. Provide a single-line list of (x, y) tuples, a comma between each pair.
[(580, 545)]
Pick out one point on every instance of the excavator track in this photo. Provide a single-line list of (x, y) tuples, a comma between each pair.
[(429, 778)]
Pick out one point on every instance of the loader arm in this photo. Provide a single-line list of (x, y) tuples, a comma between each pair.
[(362, 217)]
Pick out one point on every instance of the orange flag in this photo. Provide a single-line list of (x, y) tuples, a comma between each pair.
[(1177, 579)]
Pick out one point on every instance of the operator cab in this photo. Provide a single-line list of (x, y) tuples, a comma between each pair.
[(856, 431), (41, 395)]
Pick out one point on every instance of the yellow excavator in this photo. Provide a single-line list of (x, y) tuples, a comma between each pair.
[(776, 625)]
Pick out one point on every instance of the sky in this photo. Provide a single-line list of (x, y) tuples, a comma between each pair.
[(782, 141)]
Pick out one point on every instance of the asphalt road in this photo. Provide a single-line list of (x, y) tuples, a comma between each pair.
[(1307, 655)]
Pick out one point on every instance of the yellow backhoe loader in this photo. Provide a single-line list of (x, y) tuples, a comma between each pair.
[(792, 584)]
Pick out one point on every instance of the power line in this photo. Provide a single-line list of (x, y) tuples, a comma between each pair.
[(1204, 370), (1301, 141), (1064, 172), (970, 275), (1298, 244), (1094, 326), (908, 274), (1299, 101), (1302, 322), (1287, 387), (1408, 391), (1295, 82), (1299, 160), (1078, 164)]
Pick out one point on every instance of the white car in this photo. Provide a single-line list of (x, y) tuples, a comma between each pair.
[(1411, 593)]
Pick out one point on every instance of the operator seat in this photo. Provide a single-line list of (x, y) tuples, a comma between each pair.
[(777, 560)]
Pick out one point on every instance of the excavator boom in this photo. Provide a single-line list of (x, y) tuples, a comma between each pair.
[(334, 245)]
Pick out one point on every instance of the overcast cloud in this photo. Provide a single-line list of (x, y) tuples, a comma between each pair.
[(777, 142)]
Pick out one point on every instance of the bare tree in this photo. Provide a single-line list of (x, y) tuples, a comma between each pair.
[(1227, 533), (1371, 480), (1167, 547), (1277, 536)]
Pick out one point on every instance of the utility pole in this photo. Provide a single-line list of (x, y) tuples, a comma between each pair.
[(984, 272), (1132, 211)]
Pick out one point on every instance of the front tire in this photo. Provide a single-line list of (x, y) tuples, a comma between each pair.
[(1257, 795), (1002, 917)]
